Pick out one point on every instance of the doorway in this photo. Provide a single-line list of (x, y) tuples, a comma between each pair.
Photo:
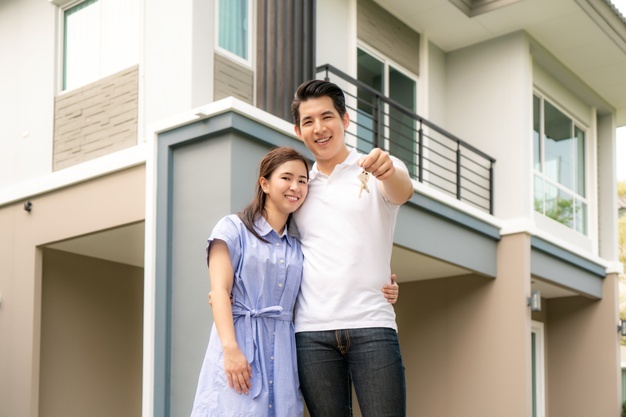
[(92, 326)]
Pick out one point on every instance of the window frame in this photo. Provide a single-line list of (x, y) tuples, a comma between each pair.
[(387, 64), (538, 381), (248, 61), (63, 47), (539, 173), (104, 67)]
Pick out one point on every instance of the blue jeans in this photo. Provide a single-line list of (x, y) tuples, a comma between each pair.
[(329, 362)]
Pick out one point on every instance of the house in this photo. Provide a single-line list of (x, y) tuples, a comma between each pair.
[(129, 127)]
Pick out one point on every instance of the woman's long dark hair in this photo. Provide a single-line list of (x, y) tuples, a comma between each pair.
[(272, 160)]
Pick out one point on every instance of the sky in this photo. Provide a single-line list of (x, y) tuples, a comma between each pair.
[(621, 132)]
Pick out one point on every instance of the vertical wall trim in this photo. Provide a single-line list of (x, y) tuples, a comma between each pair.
[(162, 281)]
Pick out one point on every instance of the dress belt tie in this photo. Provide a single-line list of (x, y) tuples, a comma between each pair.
[(251, 350)]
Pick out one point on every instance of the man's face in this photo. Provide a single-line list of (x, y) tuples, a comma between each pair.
[(322, 130)]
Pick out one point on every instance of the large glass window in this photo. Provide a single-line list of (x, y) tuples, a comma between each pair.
[(376, 120), (559, 166), (100, 37), (234, 28)]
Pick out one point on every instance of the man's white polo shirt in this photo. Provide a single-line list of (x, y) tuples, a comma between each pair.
[(347, 242)]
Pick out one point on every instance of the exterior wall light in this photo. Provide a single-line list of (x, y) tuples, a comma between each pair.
[(534, 301), (621, 328)]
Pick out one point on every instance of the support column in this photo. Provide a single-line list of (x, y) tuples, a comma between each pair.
[(583, 371)]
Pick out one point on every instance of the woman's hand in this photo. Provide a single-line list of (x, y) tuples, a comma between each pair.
[(391, 291), (238, 370)]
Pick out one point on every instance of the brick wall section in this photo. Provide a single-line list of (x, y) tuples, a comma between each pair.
[(232, 79), (95, 120)]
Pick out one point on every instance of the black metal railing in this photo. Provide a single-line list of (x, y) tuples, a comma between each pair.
[(434, 156)]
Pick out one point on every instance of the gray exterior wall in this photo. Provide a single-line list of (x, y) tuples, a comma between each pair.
[(95, 120), (475, 242), (563, 268), (381, 30)]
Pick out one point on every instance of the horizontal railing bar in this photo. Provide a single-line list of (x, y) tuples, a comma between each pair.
[(476, 194), (476, 184)]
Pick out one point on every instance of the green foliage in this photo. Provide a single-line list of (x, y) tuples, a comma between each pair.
[(621, 188), (562, 211)]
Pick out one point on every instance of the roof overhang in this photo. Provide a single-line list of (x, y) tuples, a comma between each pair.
[(586, 36)]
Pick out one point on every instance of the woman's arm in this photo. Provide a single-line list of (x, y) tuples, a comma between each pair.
[(238, 370)]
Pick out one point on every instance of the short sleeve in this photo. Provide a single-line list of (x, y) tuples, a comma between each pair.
[(228, 229), (398, 164)]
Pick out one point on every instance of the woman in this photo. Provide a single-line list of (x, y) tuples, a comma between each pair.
[(250, 367)]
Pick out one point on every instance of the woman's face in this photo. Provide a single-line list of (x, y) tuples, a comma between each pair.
[(286, 188)]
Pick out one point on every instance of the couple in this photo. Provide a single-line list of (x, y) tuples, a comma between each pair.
[(334, 264)]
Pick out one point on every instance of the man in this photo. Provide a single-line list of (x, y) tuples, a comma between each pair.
[(345, 330)]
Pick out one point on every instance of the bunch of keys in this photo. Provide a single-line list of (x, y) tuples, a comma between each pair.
[(364, 178)]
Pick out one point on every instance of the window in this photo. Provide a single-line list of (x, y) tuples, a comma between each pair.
[(559, 165), (234, 31), (100, 37), (537, 364), (395, 84)]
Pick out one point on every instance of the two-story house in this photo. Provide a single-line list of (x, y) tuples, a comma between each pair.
[(129, 127)]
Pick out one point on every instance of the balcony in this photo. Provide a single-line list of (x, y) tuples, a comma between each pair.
[(433, 156)]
